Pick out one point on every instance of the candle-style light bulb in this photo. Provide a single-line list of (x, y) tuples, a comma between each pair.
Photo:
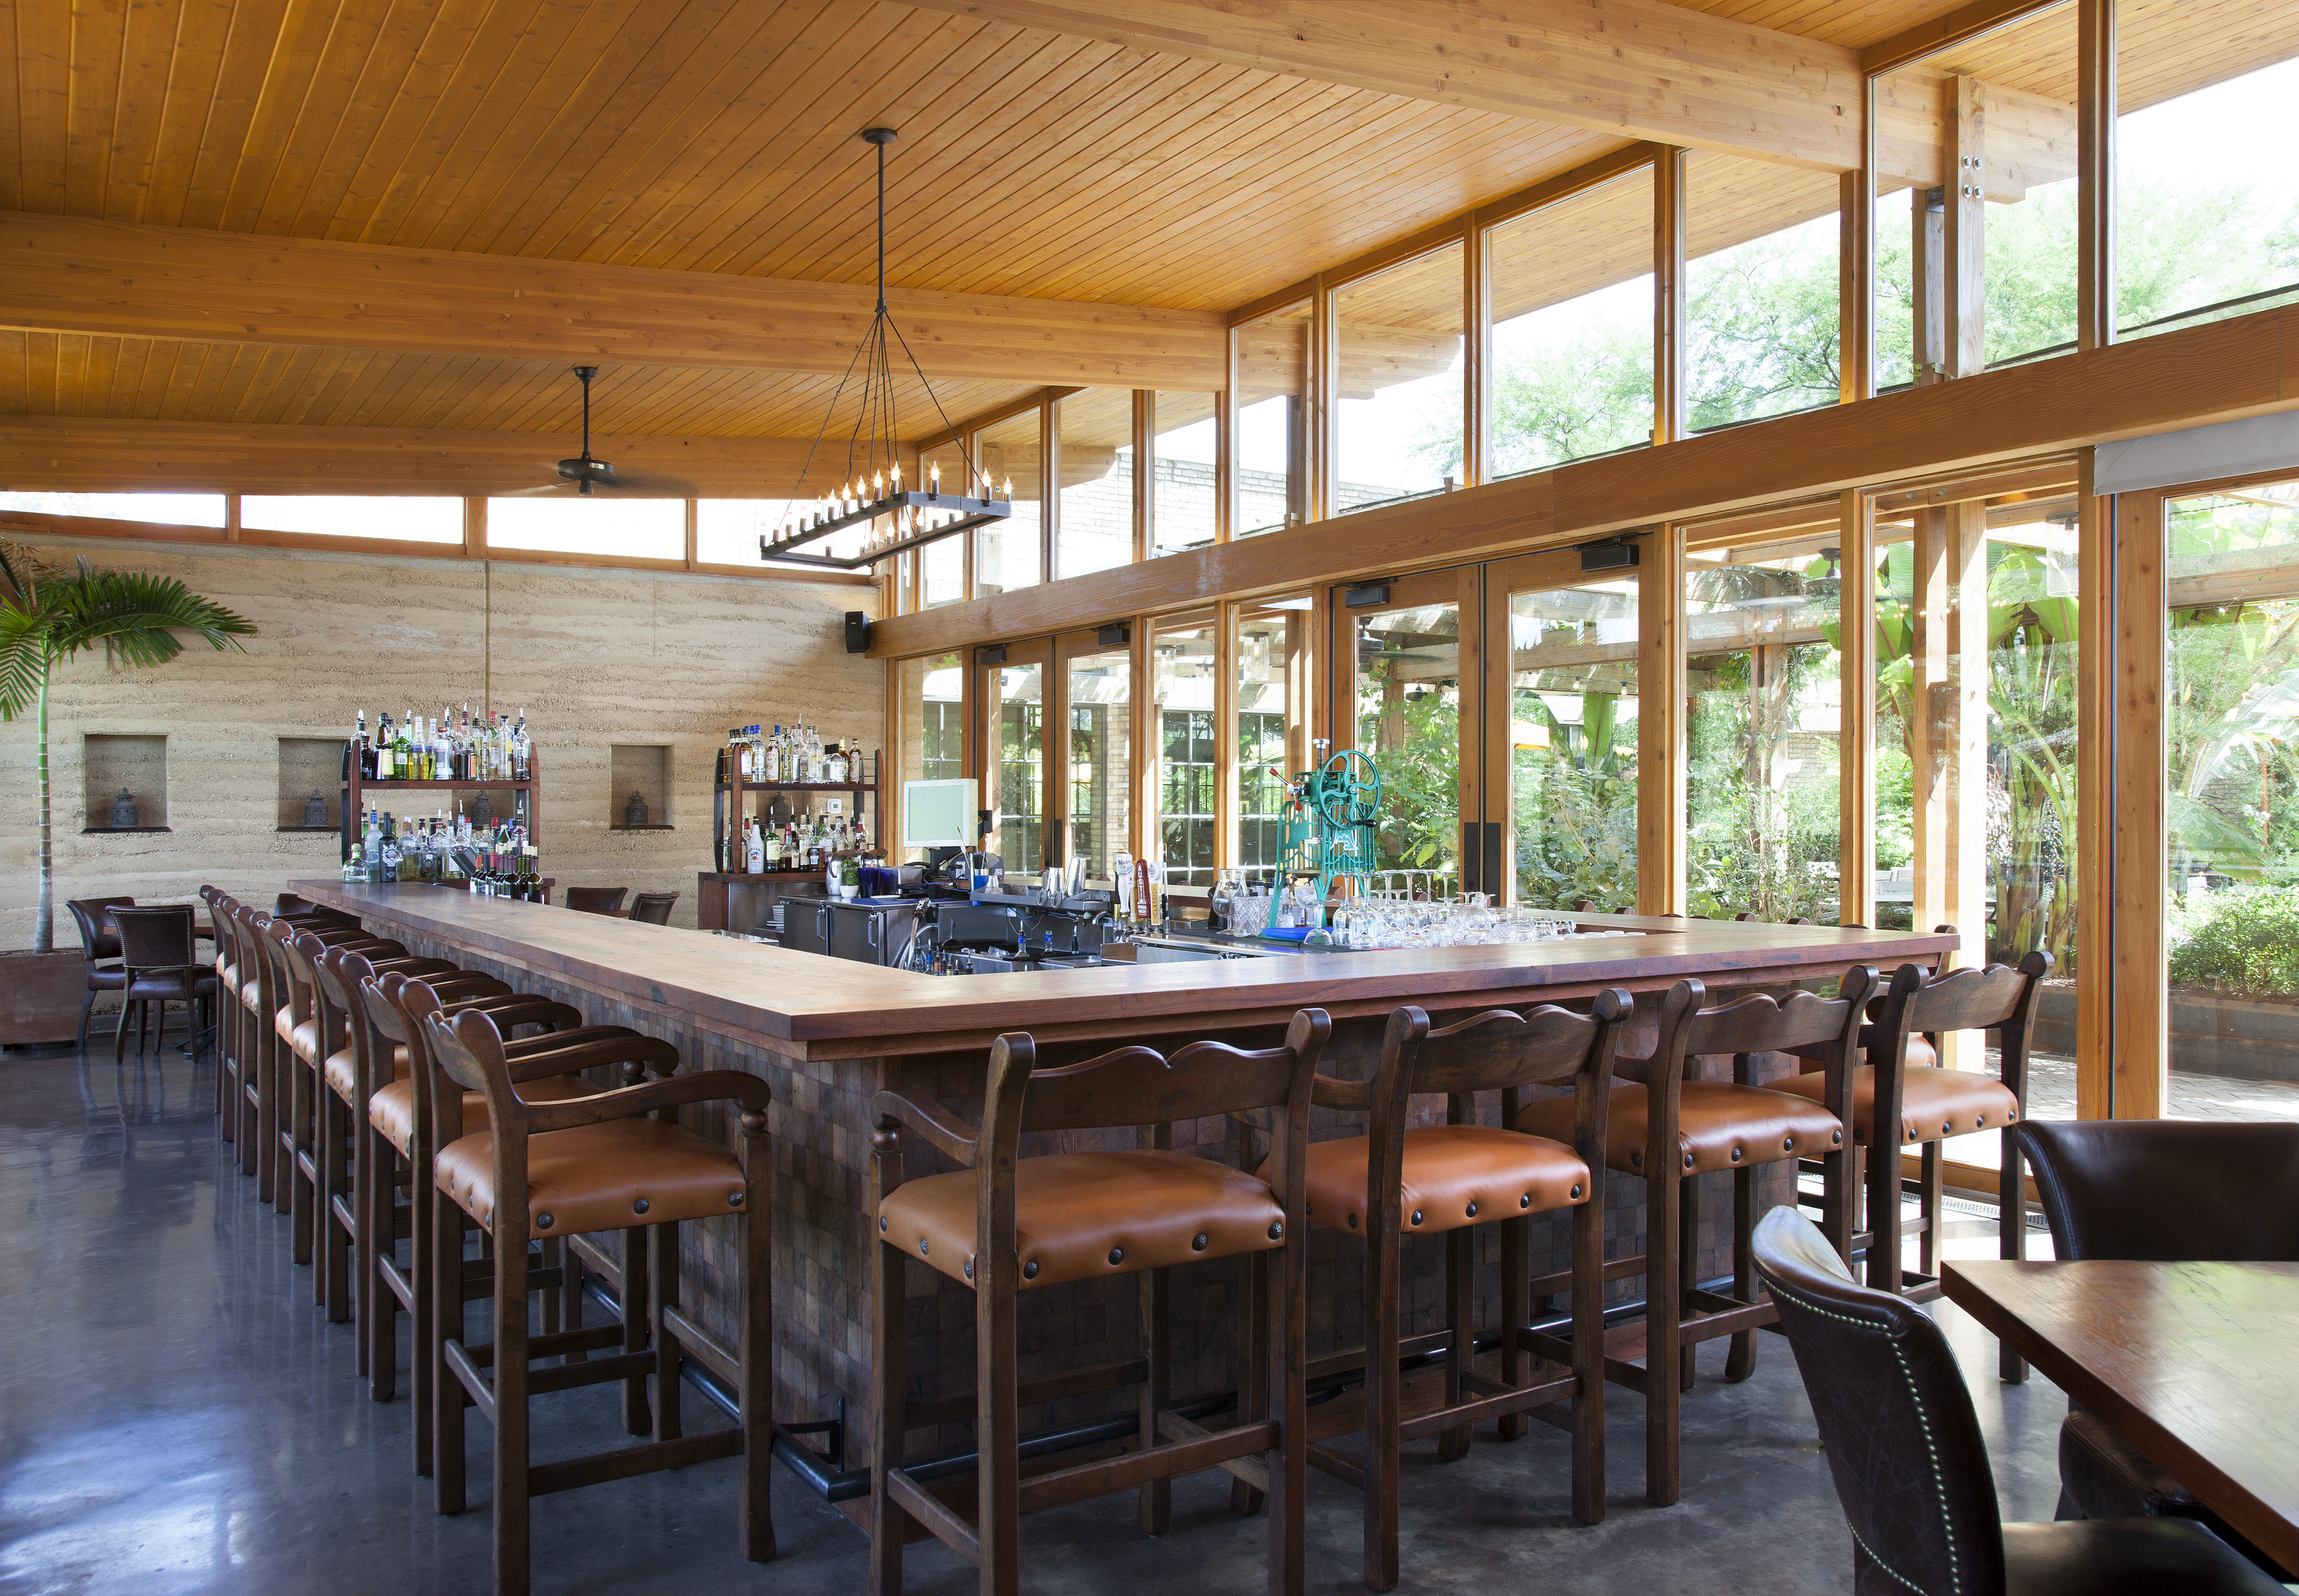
[(898, 476), (1008, 491), (877, 484), (934, 478)]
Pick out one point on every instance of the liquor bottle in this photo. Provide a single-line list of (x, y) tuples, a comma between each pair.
[(834, 764), (756, 853), (355, 867), (356, 754)]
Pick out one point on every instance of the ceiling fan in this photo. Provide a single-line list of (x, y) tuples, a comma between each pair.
[(584, 474)]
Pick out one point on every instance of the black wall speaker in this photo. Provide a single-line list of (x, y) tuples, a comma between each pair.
[(858, 633)]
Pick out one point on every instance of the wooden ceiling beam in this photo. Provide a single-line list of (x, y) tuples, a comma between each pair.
[(67, 275), (72, 454), (1639, 69)]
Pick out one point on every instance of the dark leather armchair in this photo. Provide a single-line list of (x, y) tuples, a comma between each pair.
[(163, 967), (99, 942), (2162, 1190), (1911, 1466), (653, 907), (596, 900)]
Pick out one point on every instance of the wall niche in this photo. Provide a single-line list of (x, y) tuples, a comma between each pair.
[(309, 767), (130, 768), (643, 768)]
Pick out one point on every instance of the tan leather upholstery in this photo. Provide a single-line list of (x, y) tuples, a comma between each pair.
[(1082, 1215), (1933, 1103), (1455, 1175), (1720, 1126), (302, 1036), (605, 1176), (392, 1109), (251, 993), (1922, 1054), (341, 1072)]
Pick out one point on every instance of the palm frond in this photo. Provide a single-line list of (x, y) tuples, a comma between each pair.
[(136, 616), (23, 659)]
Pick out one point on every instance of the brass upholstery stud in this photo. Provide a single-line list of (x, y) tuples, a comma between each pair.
[(1198, 1242), (639, 1205), (1116, 1256), (1030, 1269)]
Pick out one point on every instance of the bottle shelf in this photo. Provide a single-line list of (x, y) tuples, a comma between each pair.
[(504, 786), (802, 787)]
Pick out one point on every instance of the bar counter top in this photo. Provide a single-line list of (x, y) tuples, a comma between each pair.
[(804, 1005)]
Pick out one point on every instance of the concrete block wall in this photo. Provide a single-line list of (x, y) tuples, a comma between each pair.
[(595, 657)]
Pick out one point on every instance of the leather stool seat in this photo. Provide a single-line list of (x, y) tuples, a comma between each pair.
[(1933, 1103), (302, 1035), (602, 1177), (392, 1110), (1720, 1126), (1454, 1175), (1081, 1215), (251, 993), (342, 1071)]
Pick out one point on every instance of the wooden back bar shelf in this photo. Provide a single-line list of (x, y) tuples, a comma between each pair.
[(730, 805), (357, 791)]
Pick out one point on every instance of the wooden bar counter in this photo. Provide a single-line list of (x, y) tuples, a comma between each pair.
[(827, 1033)]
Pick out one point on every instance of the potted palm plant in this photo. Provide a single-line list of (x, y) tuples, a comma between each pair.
[(49, 614)]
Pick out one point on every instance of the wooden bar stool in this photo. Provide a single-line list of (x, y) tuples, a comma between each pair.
[(1669, 1131), (327, 1172), (400, 1117), (1008, 1224), (264, 990), (1399, 1181), (227, 1006), (296, 1057), (1930, 1104), (592, 1164)]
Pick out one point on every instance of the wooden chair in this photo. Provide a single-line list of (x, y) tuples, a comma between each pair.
[(227, 1010), (592, 1164), (263, 994), (1930, 1104), (403, 1086), (160, 965), (99, 953), (653, 907), (295, 1062), (1461, 1175), (596, 900), (1007, 1224), (1669, 1131)]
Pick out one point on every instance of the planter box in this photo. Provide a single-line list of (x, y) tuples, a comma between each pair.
[(2211, 1033), (41, 996)]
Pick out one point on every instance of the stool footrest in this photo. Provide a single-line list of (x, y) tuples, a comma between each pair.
[(1515, 1400), (595, 1371), (1173, 1427), (1138, 1469), (1353, 1361), (1348, 1471), (946, 1526), (396, 1280), (920, 1412), (701, 1346), (622, 1464), (1615, 1268), (555, 1344)]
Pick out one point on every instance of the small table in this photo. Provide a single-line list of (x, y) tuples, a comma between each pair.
[(2195, 1364)]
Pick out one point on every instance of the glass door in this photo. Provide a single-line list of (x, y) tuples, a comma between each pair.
[(1561, 826), (1095, 786), (1412, 713), (1012, 691)]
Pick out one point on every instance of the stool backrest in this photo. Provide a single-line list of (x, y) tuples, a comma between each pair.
[(2168, 1190), (219, 903), (2001, 998), (159, 937), (1896, 1420), (412, 1000), (1760, 1024), (653, 907), (97, 940), (596, 900)]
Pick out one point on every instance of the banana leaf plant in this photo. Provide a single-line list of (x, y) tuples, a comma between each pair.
[(49, 614)]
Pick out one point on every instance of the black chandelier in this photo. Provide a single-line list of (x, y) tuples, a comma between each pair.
[(871, 492)]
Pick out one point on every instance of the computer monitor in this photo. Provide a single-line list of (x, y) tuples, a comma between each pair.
[(940, 813)]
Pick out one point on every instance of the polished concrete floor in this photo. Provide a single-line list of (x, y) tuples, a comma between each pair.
[(174, 1418)]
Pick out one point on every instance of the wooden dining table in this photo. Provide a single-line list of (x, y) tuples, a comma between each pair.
[(2195, 1364)]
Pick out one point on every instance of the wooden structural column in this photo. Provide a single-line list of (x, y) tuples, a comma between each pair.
[(1661, 714), (1964, 282), (1856, 731)]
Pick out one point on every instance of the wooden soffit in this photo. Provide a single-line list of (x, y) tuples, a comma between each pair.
[(127, 279), (2243, 366)]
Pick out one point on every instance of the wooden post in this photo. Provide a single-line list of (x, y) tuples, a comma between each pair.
[(1965, 820), (1668, 296), (2095, 173), (1049, 481), (2139, 1025), (1476, 356), (1225, 782), (1661, 712), (1856, 729), (1930, 734), (1855, 213), (1323, 418), (1145, 470), (1966, 289), (2096, 696)]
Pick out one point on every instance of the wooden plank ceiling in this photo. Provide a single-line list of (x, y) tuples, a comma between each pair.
[(717, 136)]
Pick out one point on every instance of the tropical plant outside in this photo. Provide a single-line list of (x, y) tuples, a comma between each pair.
[(48, 615)]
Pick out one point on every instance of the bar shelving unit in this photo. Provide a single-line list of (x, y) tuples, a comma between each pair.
[(357, 792), (730, 804)]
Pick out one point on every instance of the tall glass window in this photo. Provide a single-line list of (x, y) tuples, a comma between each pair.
[(1994, 113), (1187, 747), (2206, 194), (1098, 797), (399, 519), (934, 724), (1764, 731), (1399, 393), (1572, 367), (941, 566), (177, 510), (1015, 758), (1409, 719), (1272, 444), (1182, 494), (1005, 553), (1762, 317), (1094, 528), (1572, 760), (1272, 665)]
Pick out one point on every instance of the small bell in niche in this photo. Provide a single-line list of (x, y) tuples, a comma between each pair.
[(123, 811), (483, 813), (635, 813), (315, 811)]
